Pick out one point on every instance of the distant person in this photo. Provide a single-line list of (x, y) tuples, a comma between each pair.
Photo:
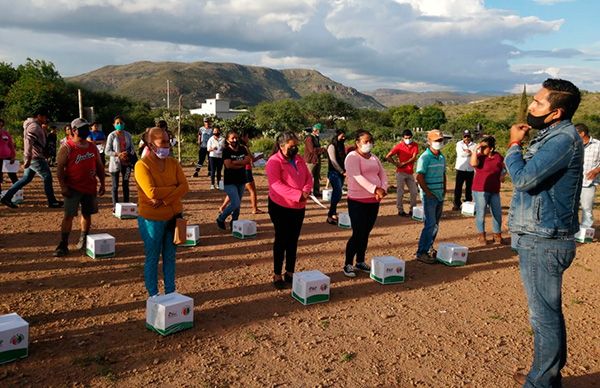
[(290, 184), (464, 170), (489, 175), (336, 173), (79, 169), (367, 185), (34, 144), (235, 159), (204, 134), (67, 132), (431, 175), (214, 146), (250, 184), (7, 152), (99, 139), (406, 151), (161, 187), (51, 142), (312, 155), (591, 169), (543, 219), (119, 147)]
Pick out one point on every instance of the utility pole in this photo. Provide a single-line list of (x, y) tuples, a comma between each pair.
[(179, 130), (168, 95), (79, 98)]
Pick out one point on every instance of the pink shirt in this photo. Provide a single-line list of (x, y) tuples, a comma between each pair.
[(364, 176), (7, 147), (286, 182)]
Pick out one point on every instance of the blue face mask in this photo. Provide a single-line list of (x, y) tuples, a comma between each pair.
[(119, 126), (162, 152)]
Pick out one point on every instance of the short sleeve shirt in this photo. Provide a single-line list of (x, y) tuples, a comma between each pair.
[(404, 152), (488, 173), (234, 176), (433, 169)]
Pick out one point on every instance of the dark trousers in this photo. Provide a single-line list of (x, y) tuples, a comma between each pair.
[(362, 217), (287, 223), (202, 152), (216, 165), (315, 171), (467, 178), (125, 173)]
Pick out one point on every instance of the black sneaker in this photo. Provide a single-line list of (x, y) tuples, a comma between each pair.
[(56, 204), (221, 224), (349, 271), (425, 258), (61, 250), (362, 267), (10, 204), (195, 174), (403, 213), (288, 278), (82, 241)]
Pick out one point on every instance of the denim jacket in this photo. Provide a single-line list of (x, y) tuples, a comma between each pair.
[(547, 183)]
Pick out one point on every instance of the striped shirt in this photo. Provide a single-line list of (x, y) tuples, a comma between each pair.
[(433, 168), (591, 160)]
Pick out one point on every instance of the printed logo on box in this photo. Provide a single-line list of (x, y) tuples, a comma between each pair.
[(186, 310), (17, 339)]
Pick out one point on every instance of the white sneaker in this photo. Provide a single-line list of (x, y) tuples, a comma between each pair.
[(349, 271), (212, 187)]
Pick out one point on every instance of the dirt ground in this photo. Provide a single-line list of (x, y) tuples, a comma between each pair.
[(443, 327)]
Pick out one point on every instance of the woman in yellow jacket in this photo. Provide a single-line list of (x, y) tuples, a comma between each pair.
[(161, 186)]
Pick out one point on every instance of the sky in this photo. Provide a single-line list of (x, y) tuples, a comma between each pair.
[(416, 45)]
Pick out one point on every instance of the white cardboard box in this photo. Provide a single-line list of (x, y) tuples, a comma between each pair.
[(7, 167), (310, 287), (387, 269), (452, 254), (344, 221), (585, 235), (99, 246), (417, 213), (221, 185), (126, 210), (14, 337), (192, 236), (326, 194), (467, 208), (17, 198), (244, 229), (168, 314)]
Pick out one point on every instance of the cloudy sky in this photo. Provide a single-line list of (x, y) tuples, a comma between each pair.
[(461, 45)]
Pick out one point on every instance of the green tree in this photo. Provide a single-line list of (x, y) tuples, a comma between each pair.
[(326, 107), (428, 118), (522, 112), (8, 76), (243, 123), (401, 115), (277, 116)]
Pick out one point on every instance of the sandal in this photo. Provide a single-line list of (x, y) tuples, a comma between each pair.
[(258, 211), (331, 221), (278, 282), (288, 278)]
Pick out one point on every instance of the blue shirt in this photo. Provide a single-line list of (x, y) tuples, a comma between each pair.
[(96, 136), (433, 169)]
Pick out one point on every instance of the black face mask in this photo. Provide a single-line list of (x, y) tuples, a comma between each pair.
[(292, 152), (537, 122), (233, 144)]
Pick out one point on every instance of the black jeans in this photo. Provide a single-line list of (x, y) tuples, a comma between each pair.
[(463, 177), (202, 152), (362, 217), (216, 165), (125, 174), (287, 223)]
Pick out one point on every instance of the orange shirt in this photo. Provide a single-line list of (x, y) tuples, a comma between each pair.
[(169, 185)]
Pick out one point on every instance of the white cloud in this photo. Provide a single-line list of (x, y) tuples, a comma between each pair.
[(447, 44), (552, 2)]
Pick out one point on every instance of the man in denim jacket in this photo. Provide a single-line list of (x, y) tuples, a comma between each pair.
[(543, 219)]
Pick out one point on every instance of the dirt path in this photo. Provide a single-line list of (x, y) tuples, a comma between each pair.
[(443, 327)]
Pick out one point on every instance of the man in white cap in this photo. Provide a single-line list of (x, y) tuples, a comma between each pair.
[(431, 175), (79, 167)]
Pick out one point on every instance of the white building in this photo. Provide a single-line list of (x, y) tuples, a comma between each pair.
[(217, 107)]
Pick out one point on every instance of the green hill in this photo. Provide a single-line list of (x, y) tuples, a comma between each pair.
[(243, 85)]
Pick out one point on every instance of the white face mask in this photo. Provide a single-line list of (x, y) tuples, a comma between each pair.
[(407, 141), (436, 145), (366, 148)]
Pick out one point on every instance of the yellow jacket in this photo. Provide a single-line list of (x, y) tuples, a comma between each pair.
[(169, 185)]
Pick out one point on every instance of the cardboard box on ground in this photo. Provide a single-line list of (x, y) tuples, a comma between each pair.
[(99, 246), (467, 209), (452, 254), (126, 210), (243, 229), (14, 337), (344, 221), (309, 287), (192, 236), (168, 314), (387, 269)]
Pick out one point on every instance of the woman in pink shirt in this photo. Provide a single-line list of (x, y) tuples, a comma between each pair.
[(290, 184), (7, 152), (367, 185)]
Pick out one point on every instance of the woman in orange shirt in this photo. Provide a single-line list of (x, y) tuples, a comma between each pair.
[(161, 186)]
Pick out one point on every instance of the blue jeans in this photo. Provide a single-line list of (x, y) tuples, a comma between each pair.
[(37, 166), (158, 238), (234, 192), (542, 262), (125, 174), (337, 181), (482, 201), (432, 213)]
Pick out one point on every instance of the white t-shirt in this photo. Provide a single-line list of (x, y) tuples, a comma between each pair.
[(218, 143), (463, 157)]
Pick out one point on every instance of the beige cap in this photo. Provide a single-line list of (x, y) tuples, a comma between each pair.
[(434, 135)]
